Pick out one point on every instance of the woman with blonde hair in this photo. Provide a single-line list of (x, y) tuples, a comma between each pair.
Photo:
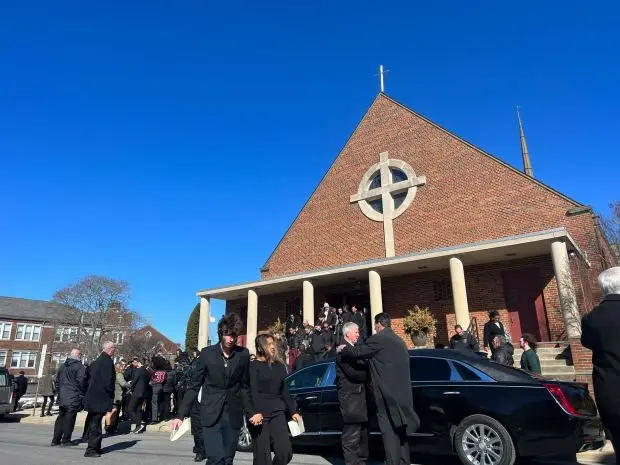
[(273, 404), (111, 418)]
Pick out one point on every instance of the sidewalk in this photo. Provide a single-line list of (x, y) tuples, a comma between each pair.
[(26, 416), (603, 455)]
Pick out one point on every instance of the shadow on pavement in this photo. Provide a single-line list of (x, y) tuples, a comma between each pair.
[(13, 417), (120, 446)]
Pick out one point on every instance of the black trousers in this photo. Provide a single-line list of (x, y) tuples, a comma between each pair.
[(394, 440), (220, 440), (355, 443), (93, 432), (273, 432), (611, 421), (17, 397), (49, 409), (165, 410), (199, 444), (157, 398), (135, 409), (63, 428)]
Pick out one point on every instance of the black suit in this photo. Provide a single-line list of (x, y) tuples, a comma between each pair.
[(599, 333), (492, 329), (351, 377), (389, 369), (99, 398), (225, 397), (139, 392)]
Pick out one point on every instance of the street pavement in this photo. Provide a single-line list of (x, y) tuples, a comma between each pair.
[(27, 444)]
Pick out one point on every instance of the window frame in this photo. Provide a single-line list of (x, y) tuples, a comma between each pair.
[(118, 340), (25, 326), (299, 372), (3, 326), (61, 331), (31, 355), (455, 375), (6, 356)]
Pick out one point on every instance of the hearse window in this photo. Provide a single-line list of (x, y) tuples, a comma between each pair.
[(431, 369), (308, 377), (466, 373)]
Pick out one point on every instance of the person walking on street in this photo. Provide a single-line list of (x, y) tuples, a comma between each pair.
[(529, 359), (463, 341), (351, 377), (273, 405), (46, 389), (99, 398), (21, 386), (388, 360), (222, 372), (139, 393), (71, 382), (599, 333)]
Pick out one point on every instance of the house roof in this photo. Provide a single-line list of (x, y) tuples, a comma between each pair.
[(33, 310)]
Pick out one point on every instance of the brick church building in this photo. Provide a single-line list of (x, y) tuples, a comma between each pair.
[(416, 215)]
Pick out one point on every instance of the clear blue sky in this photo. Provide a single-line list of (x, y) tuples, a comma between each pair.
[(153, 141)]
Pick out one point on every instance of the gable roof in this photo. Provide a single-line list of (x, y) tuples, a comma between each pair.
[(435, 125), (33, 310)]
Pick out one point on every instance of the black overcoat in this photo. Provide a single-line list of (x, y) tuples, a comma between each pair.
[(351, 377), (600, 332), (388, 359), (140, 382), (71, 382), (101, 383), (220, 386)]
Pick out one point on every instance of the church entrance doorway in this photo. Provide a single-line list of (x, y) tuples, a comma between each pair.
[(359, 297), (523, 291)]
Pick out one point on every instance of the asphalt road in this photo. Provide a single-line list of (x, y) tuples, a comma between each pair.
[(29, 444)]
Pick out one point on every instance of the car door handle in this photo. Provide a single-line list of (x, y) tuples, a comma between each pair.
[(310, 397), (451, 393)]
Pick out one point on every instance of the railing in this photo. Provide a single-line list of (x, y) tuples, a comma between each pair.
[(472, 329)]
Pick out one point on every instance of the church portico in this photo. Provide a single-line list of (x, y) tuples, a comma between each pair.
[(459, 284)]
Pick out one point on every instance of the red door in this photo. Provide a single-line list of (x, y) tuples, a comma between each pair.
[(523, 290)]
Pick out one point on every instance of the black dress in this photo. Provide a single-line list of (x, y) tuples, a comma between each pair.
[(270, 398)]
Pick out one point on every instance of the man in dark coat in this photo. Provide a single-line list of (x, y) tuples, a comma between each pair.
[(351, 377), (599, 333), (391, 385), (99, 397), (463, 341), (21, 386), (139, 393), (71, 382), (492, 328), (223, 373)]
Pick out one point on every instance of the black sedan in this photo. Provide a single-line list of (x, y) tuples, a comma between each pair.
[(486, 413)]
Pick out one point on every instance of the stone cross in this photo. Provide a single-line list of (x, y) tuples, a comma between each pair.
[(385, 192)]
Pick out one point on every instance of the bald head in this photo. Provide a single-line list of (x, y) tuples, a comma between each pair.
[(76, 354)]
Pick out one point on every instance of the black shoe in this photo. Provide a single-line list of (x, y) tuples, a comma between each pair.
[(49, 414), (42, 415), (91, 454), (68, 444), (200, 458), (139, 429), (54, 444)]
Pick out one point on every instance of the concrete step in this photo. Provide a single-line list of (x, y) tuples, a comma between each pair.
[(544, 363), (558, 377), (544, 350), (565, 370), (543, 358)]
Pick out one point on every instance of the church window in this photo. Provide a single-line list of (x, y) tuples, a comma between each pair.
[(399, 198), (442, 289), (377, 205), (398, 175), (375, 181)]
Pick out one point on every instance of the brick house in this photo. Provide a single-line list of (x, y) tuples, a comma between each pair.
[(28, 326), (411, 214)]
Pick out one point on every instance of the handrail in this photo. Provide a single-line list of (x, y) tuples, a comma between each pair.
[(472, 329)]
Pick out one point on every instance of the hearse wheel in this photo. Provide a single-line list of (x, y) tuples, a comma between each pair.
[(481, 440), (244, 444)]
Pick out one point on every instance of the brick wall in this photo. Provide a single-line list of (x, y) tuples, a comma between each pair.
[(469, 197)]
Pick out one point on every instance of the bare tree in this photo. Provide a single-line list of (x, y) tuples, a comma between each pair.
[(141, 344), (611, 228), (97, 304)]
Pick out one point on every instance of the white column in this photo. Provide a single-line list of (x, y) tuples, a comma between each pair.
[(459, 292), (203, 326), (566, 292), (308, 302), (376, 297), (252, 323)]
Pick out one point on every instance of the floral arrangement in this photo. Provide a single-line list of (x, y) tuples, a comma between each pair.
[(420, 320)]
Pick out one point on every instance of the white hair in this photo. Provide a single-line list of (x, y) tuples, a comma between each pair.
[(609, 281), (107, 345), (348, 327)]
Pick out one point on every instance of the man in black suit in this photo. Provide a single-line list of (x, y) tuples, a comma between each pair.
[(599, 333), (223, 373), (351, 377), (388, 359), (139, 392), (99, 397)]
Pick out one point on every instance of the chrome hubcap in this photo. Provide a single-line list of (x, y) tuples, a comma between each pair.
[(482, 445)]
